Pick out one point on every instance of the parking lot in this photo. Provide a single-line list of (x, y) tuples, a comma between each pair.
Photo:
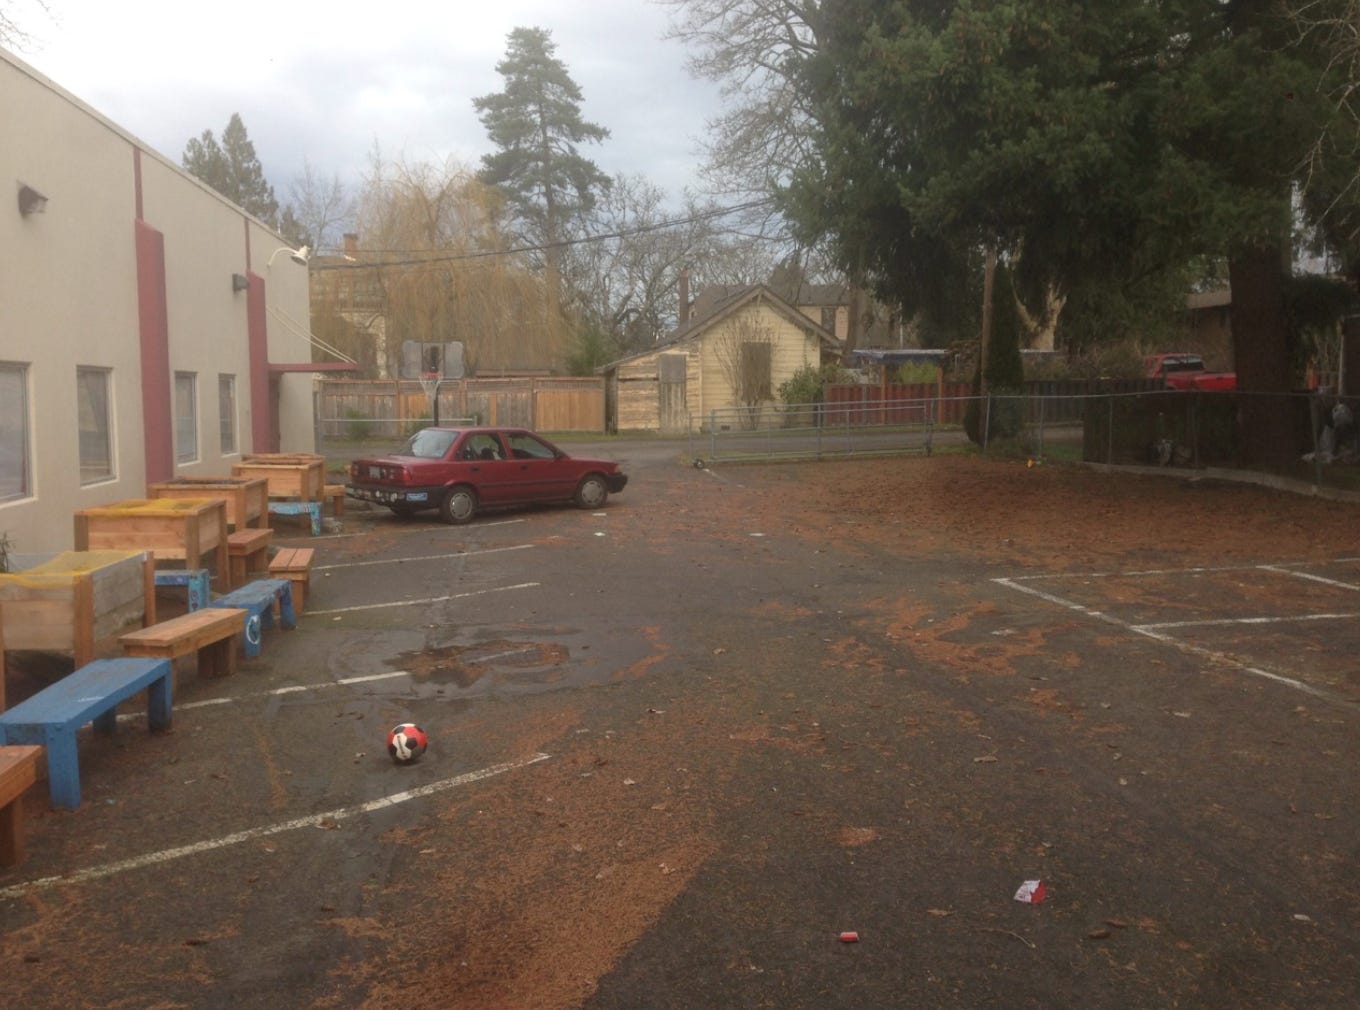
[(681, 744)]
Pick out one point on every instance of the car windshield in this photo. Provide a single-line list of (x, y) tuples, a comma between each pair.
[(429, 443), (1183, 365)]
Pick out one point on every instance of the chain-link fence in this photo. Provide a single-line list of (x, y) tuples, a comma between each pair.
[(1308, 437)]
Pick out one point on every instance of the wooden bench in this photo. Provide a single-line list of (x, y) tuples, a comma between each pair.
[(248, 551), (18, 771), (334, 494), (211, 633), (259, 598), (311, 509), (295, 565), (197, 581), (52, 716)]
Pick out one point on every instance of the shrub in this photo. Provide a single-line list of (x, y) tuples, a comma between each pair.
[(804, 386), (358, 426)]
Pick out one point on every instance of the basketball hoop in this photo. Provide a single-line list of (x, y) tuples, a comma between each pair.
[(429, 381)]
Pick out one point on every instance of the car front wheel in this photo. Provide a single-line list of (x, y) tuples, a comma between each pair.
[(592, 492), (459, 505)]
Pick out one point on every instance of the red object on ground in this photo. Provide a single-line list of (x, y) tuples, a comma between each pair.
[(849, 936)]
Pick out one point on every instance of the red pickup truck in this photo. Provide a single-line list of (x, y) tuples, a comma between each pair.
[(1180, 370)]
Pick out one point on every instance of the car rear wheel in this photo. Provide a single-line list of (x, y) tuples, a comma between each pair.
[(459, 505), (592, 492)]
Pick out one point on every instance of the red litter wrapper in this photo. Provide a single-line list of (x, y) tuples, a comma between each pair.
[(849, 936), (1031, 892)]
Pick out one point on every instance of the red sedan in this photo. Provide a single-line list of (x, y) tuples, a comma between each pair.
[(462, 470)]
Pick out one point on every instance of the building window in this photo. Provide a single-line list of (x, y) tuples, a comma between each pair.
[(95, 424), (756, 374), (186, 417), (226, 412), (15, 480)]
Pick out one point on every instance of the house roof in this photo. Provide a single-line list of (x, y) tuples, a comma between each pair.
[(722, 308), (795, 294)]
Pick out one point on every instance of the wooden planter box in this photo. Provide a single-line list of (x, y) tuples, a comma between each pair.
[(299, 476), (247, 499), (75, 602), (172, 529)]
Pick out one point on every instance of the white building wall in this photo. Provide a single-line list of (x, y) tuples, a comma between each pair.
[(69, 299)]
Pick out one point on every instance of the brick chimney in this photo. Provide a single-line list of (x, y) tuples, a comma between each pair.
[(352, 244), (684, 297)]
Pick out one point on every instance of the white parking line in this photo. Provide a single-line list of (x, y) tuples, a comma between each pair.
[(416, 603), (422, 557), (311, 821), (1211, 622), (1311, 577), (1153, 631)]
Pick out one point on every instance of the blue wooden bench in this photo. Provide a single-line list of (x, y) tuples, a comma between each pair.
[(259, 598), (92, 693), (312, 509), (195, 580)]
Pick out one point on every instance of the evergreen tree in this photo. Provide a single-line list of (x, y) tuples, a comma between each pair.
[(536, 125), (232, 169), (1084, 142)]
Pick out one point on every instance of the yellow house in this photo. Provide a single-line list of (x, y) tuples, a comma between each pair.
[(722, 369)]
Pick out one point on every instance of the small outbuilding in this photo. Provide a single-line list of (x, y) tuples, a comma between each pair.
[(735, 356)]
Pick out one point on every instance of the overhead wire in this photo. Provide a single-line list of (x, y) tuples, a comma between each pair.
[(564, 244)]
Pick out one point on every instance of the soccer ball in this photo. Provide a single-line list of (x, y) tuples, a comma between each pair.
[(406, 742)]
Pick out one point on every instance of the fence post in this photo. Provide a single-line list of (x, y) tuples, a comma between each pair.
[(1109, 434), (1313, 405), (1042, 401)]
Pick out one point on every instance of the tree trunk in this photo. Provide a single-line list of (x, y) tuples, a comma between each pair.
[(1261, 354)]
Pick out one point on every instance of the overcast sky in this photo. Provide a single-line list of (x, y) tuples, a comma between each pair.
[(326, 81)]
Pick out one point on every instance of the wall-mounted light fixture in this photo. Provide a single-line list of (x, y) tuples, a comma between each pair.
[(239, 283), (298, 256), (30, 200)]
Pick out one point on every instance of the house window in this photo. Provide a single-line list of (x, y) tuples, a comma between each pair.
[(829, 318), (186, 417), (95, 424), (756, 379), (15, 478), (226, 412)]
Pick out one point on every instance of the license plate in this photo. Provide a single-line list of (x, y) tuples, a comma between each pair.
[(417, 496)]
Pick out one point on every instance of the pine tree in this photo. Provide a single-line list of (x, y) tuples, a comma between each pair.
[(232, 169), (536, 125)]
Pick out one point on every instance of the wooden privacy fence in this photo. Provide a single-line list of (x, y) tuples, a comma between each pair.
[(359, 409)]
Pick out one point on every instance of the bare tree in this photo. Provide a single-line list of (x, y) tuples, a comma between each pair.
[(744, 350), (12, 33), (748, 48), (623, 271), (321, 207), (435, 261), (752, 49)]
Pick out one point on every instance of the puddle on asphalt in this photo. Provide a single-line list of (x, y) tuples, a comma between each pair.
[(465, 666)]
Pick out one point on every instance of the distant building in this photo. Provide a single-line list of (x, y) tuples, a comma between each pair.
[(752, 338)]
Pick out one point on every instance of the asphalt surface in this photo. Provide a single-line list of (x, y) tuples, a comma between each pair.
[(681, 748)]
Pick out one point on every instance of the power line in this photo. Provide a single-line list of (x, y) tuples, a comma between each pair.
[(566, 243)]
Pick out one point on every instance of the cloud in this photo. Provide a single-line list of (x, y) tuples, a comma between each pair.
[(326, 84)]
